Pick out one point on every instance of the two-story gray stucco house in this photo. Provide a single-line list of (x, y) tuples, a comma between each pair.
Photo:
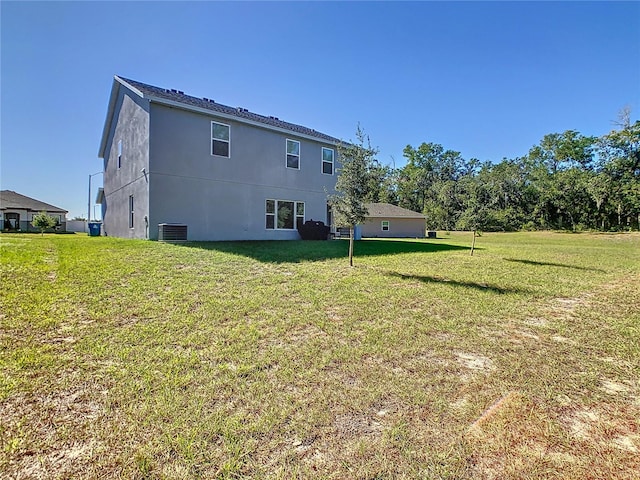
[(226, 173)]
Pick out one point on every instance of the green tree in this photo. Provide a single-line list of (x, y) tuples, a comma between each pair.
[(428, 183), (620, 153), (43, 222), (418, 175), (381, 184), (558, 151), (476, 202), (348, 205), (560, 167)]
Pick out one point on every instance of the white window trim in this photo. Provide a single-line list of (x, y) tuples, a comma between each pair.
[(382, 225), (286, 153), (131, 211), (220, 140), (275, 215), (322, 160)]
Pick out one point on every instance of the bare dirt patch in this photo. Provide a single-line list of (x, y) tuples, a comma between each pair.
[(581, 423), (55, 445), (355, 426), (536, 322), (561, 339), (614, 388), (475, 362)]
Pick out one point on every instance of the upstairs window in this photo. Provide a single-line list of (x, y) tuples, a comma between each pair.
[(119, 153), (284, 214), (327, 160), (220, 139), (293, 154)]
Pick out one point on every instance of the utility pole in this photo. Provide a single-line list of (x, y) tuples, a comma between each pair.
[(89, 199)]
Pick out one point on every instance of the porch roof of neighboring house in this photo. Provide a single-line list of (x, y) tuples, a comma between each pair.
[(386, 210), (177, 98), (12, 200)]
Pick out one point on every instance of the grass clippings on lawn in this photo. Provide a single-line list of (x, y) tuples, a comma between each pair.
[(133, 359)]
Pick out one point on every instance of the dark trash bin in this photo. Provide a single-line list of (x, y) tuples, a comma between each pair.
[(311, 230), (431, 234), (94, 229)]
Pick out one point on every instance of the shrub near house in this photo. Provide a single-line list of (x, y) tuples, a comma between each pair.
[(43, 222)]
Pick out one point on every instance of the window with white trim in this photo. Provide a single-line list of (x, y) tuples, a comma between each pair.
[(130, 211), (119, 153), (283, 214), (293, 154), (327, 160), (385, 225), (220, 139)]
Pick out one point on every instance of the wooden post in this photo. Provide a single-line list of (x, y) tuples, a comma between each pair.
[(351, 232)]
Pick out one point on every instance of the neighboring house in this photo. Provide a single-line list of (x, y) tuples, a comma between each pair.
[(386, 220), (17, 212), (226, 173)]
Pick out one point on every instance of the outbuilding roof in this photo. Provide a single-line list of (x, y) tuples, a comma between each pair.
[(13, 200), (386, 210)]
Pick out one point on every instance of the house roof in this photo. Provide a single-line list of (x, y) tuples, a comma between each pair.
[(386, 210), (12, 200), (204, 105)]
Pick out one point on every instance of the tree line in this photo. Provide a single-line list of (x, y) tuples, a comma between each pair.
[(567, 181)]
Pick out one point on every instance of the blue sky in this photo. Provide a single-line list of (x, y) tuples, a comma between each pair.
[(486, 79)]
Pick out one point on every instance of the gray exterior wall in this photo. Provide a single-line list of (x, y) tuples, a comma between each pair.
[(131, 126), (398, 228), (222, 198)]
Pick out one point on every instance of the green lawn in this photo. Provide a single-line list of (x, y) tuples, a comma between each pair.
[(134, 359)]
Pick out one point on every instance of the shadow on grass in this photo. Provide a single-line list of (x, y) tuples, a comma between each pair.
[(483, 287), (551, 264), (291, 251)]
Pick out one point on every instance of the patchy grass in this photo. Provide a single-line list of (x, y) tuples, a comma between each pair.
[(132, 359)]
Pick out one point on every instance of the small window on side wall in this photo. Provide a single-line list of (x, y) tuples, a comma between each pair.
[(119, 153), (130, 211), (385, 225), (220, 139), (293, 154), (327, 161)]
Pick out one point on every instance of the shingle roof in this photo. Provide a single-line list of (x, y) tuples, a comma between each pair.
[(208, 104), (378, 210), (11, 199)]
